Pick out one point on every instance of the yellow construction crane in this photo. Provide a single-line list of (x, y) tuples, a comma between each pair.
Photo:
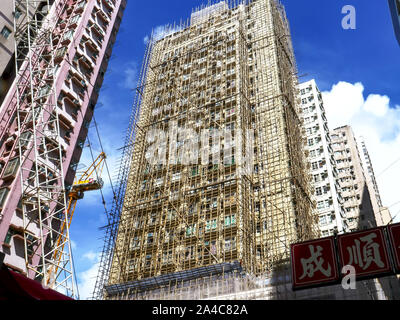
[(90, 180)]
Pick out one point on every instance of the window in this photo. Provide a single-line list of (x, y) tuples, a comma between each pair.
[(327, 203), (11, 168), (318, 191), (148, 260), (211, 224), (132, 264), (9, 236), (230, 220), (75, 19), (68, 35), (191, 230), (25, 138), (167, 257), (3, 196), (17, 13), (315, 165), (150, 238), (230, 244), (135, 243), (5, 32)]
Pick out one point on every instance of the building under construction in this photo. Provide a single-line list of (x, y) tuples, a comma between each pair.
[(188, 208)]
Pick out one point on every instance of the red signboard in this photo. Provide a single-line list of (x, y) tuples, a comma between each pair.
[(314, 263), (394, 237), (366, 251)]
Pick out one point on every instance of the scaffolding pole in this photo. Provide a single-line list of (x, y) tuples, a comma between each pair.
[(48, 255)]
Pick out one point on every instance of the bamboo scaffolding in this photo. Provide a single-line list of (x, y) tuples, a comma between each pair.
[(231, 65)]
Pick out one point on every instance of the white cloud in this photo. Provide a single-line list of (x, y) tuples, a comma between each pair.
[(90, 256), (130, 76), (377, 105), (87, 279), (379, 125), (343, 102)]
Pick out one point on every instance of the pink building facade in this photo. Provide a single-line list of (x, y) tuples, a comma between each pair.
[(85, 33)]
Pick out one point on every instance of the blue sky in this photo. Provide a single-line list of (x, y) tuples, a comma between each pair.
[(324, 50)]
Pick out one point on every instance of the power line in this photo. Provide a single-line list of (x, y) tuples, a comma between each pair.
[(398, 160)]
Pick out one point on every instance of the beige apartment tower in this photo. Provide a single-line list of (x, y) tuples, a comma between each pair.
[(230, 68), (358, 203)]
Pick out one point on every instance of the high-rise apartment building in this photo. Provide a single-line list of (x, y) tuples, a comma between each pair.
[(327, 193), (7, 39), (218, 173), (82, 34), (357, 200)]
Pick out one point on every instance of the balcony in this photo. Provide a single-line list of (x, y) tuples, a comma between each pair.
[(73, 23), (109, 4), (88, 41), (86, 61), (98, 30), (102, 14), (80, 7)]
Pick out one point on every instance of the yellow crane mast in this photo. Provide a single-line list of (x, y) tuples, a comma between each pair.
[(90, 180)]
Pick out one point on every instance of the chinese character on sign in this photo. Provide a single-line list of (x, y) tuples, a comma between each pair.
[(366, 251), (394, 236), (314, 263)]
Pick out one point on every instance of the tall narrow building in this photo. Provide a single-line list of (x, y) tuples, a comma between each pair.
[(327, 192), (218, 175), (382, 214), (44, 121), (353, 180)]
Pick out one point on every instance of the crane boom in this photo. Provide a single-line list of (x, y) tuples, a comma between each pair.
[(90, 180)]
